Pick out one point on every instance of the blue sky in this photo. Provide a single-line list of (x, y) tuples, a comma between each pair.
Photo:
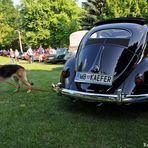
[(16, 2), (80, 1)]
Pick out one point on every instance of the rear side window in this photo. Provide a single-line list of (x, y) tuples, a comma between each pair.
[(111, 33)]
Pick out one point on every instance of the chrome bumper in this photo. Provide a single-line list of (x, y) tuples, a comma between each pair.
[(119, 97)]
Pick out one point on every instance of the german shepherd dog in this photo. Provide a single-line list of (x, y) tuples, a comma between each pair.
[(17, 72)]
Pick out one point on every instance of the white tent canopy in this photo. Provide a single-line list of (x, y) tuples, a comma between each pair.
[(75, 39)]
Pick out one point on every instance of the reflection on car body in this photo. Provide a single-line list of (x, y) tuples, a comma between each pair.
[(69, 55), (114, 49)]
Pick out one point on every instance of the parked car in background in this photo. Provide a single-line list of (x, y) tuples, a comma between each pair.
[(4, 53), (25, 56), (48, 51), (45, 57), (69, 55), (57, 56), (111, 64)]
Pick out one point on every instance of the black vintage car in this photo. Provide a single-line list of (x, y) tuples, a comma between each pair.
[(111, 64)]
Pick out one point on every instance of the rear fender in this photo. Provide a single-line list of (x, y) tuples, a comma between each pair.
[(69, 68), (129, 86)]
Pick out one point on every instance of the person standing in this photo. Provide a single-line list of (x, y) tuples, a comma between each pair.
[(16, 54), (11, 56), (30, 55), (41, 52)]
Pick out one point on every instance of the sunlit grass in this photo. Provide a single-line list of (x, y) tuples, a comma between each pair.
[(45, 120)]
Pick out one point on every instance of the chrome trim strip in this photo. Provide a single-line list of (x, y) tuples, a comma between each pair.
[(118, 98)]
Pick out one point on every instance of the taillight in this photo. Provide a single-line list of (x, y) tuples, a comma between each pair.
[(65, 73), (139, 80)]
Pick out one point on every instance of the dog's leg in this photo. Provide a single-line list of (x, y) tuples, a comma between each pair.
[(17, 83), (25, 81), (22, 77)]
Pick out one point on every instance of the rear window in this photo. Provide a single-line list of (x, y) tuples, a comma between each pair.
[(111, 33)]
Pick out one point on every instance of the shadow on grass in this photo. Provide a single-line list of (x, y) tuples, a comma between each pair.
[(106, 111), (43, 79)]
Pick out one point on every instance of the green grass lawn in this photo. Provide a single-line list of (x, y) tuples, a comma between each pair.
[(45, 120)]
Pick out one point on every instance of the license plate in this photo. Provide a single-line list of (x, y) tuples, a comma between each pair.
[(93, 78)]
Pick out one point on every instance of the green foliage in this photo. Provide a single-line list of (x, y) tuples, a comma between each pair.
[(8, 23), (114, 8), (126, 8), (94, 9), (45, 120), (49, 22)]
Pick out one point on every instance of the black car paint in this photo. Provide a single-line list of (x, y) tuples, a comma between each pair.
[(123, 58)]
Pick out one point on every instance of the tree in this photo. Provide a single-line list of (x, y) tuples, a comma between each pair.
[(135, 8), (8, 23), (94, 9), (49, 22), (97, 10)]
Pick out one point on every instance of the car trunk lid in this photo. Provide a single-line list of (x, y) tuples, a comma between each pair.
[(102, 59)]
